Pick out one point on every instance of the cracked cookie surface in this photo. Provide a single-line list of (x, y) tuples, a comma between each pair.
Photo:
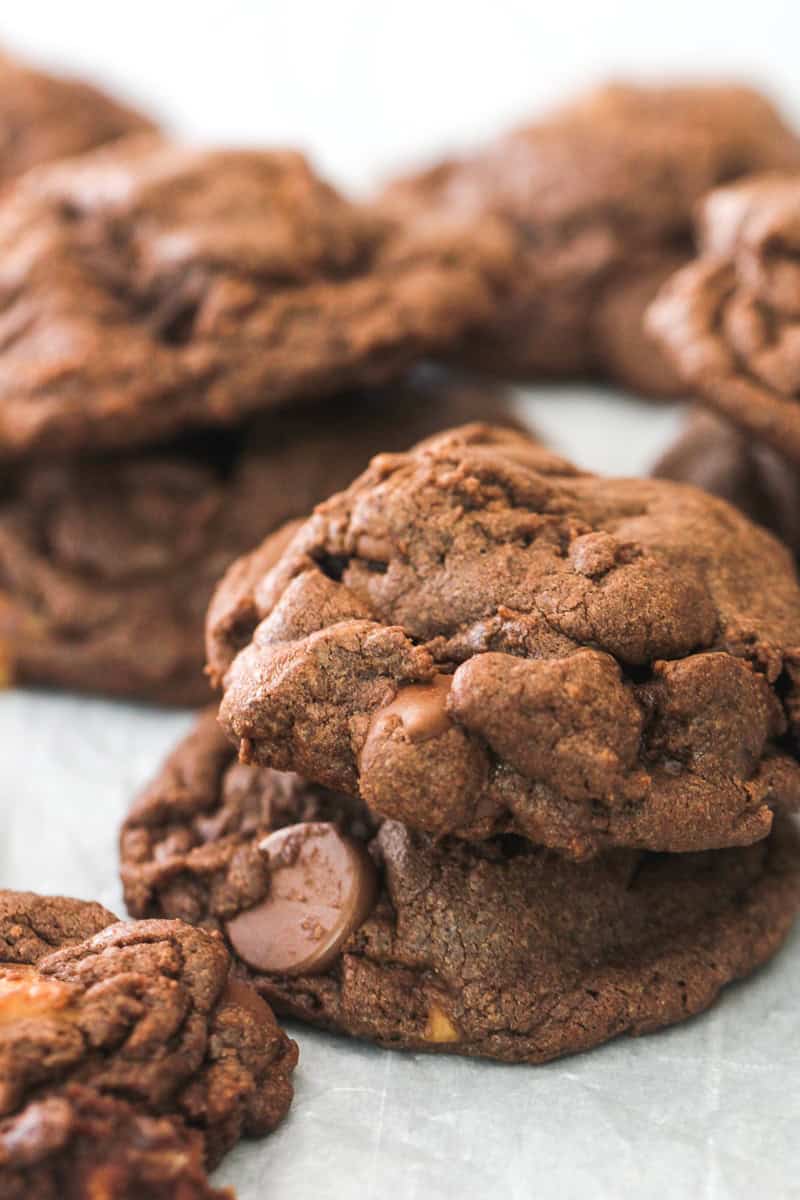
[(146, 1013), (78, 1145), (98, 554), (45, 117), (730, 320), (719, 458), (598, 198), (148, 287), (477, 638), (500, 949)]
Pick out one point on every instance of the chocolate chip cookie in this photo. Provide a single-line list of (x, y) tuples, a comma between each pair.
[(499, 949), (45, 117), (598, 198), (714, 455), (146, 1013), (730, 321), (78, 1145), (107, 565), (148, 287), (477, 638)]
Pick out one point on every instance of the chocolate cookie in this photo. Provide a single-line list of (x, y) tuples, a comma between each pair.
[(500, 949), (714, 455), (148, 287), (107, 565), (44, 117), (477, 638), (78, 1145), (730, 321), (598, 199), (189, 846), (142, 1012)]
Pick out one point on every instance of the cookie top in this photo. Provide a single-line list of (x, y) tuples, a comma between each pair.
[(712, 454), (475, 637), (150, 287), (730, 320), (45, 117), (497, 949), (145, 1012), (598, 196), (77, 1143), (96, 554)]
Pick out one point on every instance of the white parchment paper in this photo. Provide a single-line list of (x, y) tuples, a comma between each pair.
[(707, 1110)]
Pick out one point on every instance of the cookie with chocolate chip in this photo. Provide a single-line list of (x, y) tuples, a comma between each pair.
[(145, 1012), (189, 846), (499, 949), (107, 564), (45, 117), (714, 455), (598, 198), (477, 638), (147, 288), (730, 320)]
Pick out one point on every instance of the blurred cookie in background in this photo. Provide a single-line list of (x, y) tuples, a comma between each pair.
[(597, 198), (148, 289), (44, 116), (730, 320), (107, 564), (714, 455)]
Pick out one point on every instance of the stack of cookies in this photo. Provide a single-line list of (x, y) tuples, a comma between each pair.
[(196, 346), (497, 757), (543, 733)]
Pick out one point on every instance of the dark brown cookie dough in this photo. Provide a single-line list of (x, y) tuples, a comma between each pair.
[(32, 926), (730, 321), (79, 1145), (188, 847), (45, 117), (150, 287), (476, 638), (501, 949), (716, 456), (144, 1012), (598, 198), (107, 565)]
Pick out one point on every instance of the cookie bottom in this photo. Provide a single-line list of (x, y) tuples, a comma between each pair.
[(713, 917)]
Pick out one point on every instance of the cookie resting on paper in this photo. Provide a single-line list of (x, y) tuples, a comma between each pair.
[(502, 949), (137, 1028)]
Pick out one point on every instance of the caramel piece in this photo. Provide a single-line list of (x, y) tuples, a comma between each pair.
[(439, 1027), (25, 993)]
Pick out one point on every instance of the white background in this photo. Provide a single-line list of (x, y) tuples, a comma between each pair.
[(708, 1110)]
